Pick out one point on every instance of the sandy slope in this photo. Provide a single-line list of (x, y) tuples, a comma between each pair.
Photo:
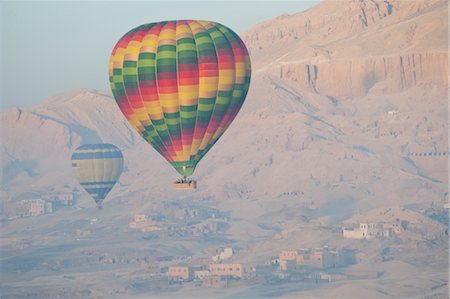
[(307, 154)]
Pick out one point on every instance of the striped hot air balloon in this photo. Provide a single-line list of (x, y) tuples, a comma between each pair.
[(180, 84), (97, 167)]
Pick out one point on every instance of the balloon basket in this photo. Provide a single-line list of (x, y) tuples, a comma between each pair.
[(185, 184)]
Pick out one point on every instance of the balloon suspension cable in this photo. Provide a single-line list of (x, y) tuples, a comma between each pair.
[(99, 206)]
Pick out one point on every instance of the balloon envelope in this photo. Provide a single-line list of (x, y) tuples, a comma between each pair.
[(180, 84), (97, 167)]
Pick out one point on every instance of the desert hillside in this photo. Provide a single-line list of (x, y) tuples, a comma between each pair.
[(346, 122), (348, 49)]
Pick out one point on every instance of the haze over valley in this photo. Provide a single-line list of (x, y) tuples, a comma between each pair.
[(340, 152)]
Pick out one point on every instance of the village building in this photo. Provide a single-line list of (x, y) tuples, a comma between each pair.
[(179, 273), (320, 258), (224, 254), (370, 230), (215, 282), (353, 233), (21, 210), (140, 218), (234, 270), (286, 265), (201, 274), (144, 224), (288, 255), (36, 206), (65, 197), (30, 207)]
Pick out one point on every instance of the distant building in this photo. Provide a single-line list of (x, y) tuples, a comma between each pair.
[(352, 233), (152, 268), (226, 253), (140, 218), (22, 210), (369, 230), (320, 258), (37, 206), (48, 207), (33, 207), (275, 262), (65, 197), (389, 228), (288, 255), (213, 226), (215, 282), (287, 265), (310, 258), (150, 228), (392, 112), (144, 224), (235, 270), (319, 276), (201, 274), (179, 273)]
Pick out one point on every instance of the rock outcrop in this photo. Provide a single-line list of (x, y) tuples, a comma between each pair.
[(346, 50)]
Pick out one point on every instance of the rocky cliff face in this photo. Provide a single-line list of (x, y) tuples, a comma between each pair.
[(379, 75), (350, 49)]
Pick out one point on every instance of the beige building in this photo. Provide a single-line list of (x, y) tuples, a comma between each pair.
[(321, 258), (215, 282), (37, 207), (201, 274), (150, 228), (144, 224), (288, 255), (370, 230), (286, 265), (353, 233), (179, 273), (65, 198), (310, 258), (236, 270), (140, 218), (224, 254), (33, 207)]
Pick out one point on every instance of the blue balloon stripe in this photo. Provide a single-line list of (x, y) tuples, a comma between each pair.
[(97, 146), (96, 155), (97, 183), (98, 193)]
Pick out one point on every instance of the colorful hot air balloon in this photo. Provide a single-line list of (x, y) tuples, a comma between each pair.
[(97, 167), (180, 84)]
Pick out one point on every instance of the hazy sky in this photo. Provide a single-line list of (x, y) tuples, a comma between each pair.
[(52, 47)]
